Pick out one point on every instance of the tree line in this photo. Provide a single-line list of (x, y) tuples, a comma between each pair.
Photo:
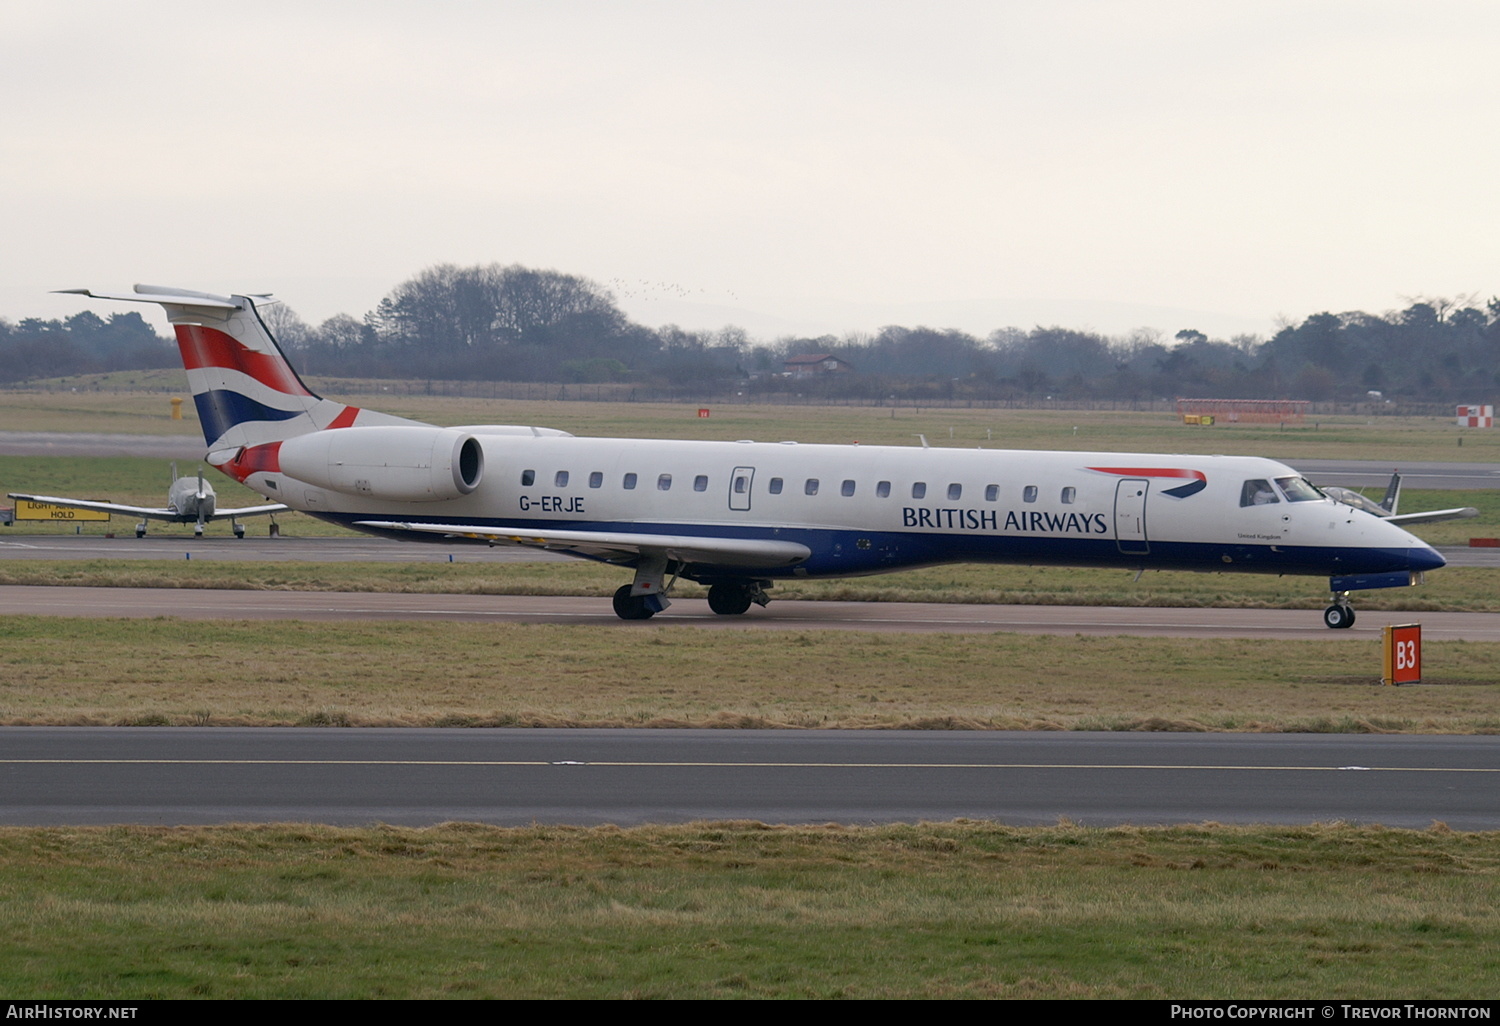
[(495, 323)]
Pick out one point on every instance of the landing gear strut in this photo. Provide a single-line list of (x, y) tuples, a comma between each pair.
[(646, 596), (1341, 614)]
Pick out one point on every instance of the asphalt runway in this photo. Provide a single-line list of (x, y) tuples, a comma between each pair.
[(1373, 474), (884, 617), (60, 775)]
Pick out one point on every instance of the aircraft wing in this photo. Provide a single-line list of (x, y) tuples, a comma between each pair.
[(101, 507), (614, 544), (150, 512), (1434, 516), (249, 511)]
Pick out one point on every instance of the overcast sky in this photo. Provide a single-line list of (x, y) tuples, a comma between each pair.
[(789, 167)]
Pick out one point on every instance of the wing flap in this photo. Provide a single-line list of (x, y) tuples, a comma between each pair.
[(748, 552)]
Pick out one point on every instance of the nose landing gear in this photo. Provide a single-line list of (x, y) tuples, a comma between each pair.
[(1341, 614)]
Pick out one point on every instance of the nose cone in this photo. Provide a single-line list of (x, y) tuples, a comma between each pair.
[(1424, 557)]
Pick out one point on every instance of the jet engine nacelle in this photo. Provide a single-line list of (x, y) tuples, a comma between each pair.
[(399, 464)]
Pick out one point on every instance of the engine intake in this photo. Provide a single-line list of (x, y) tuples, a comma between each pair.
[(399, 464)]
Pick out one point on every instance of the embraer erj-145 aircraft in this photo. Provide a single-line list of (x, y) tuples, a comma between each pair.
[(736, 516), (187, 503)]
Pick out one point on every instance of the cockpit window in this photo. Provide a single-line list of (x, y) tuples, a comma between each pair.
[(1298, 489), (1258, 493)]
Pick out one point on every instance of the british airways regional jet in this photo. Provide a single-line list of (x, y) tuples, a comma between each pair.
[(737, 516)]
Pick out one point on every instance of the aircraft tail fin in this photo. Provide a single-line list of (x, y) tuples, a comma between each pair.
[(245, 391), (1392, 494)]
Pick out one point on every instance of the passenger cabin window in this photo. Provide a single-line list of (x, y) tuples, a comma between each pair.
[(1257, 493), (629, 482), (596, 479), (846, 489), (664, 483), (741, 484), (991, 493), (1029, 494), (528, 478), (919, 490), (700, 483), (883, 490), (775, 486), (955, 491), (1068, 495), (560, 479), (811, 487)]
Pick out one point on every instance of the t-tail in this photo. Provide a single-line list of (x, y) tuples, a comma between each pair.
[(247, 395), (268, 430), (246, 392)]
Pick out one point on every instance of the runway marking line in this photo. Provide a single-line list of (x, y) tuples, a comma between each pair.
[(729, 765)]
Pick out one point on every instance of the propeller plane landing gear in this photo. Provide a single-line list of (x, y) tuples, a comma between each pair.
[(1341, 614)]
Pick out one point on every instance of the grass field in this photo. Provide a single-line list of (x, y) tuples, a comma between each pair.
[(173, 672), (743, 910)]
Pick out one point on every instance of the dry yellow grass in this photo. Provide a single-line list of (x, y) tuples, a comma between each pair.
[(173, 672)]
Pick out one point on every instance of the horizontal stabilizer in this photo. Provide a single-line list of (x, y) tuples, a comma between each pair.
[(155, 294)]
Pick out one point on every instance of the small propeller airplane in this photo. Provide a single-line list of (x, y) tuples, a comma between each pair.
[(188, 502), (1386, 508)]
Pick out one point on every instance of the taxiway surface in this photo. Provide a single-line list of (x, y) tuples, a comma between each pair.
[(60, 775), (888, 617)]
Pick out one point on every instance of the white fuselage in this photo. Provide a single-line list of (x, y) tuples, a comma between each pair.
[(868, 509)]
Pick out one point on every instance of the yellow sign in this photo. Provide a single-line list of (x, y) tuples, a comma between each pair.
[(28, 510)]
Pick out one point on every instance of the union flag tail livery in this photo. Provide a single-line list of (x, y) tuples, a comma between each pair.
[(737, 516), (245, 391)]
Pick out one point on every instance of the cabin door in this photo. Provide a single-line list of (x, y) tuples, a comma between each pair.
[(739, 488), (1130, 517)]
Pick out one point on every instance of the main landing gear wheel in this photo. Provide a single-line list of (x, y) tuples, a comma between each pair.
[(729, 599), (1339, 617), (631, 607)]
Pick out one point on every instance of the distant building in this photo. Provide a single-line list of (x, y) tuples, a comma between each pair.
[(814, 364)]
